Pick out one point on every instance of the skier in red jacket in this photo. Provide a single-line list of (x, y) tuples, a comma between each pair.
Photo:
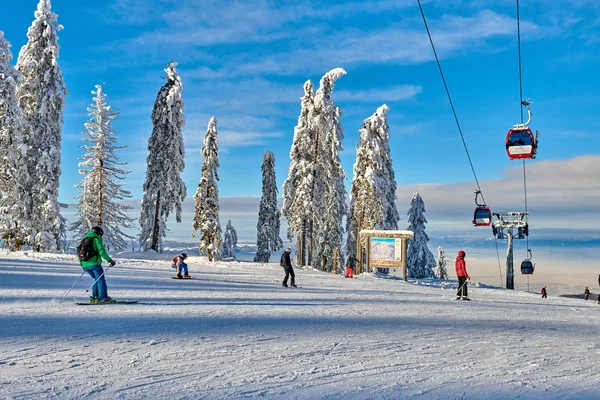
[(463, 276)]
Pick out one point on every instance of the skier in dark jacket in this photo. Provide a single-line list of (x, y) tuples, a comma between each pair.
[(463, 276), (586, 293), (93, 266), (286, 263)]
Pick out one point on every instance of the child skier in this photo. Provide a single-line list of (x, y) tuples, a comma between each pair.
[(180, 266)]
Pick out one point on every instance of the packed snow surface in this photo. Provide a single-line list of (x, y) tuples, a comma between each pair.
[(233, 332)]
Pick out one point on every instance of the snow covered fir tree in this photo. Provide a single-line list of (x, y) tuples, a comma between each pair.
[(102, 187), (11, 153), (297, 188), (164, 190), (229, 242), (420, 261), (373, 192), (328, 191), (268, 226), (441, 272), (41, 94), (206, 198)]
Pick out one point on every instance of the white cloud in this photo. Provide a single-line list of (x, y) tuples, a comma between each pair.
[(397, 93)]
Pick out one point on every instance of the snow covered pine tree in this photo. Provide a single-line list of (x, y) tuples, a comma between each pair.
[(229, 242), (41, 92), (297, 188), (11, 153), (373, 192), (102, 186), (328, 191), (164, 189), (441, 272), (206, 198), (420, 261), (267, 236)]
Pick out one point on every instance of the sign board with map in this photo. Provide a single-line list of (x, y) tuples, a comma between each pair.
[(384, 249)]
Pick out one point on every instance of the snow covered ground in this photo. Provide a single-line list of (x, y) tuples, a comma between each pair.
[(234, 332)]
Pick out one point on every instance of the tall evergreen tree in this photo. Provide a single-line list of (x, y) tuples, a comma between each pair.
[(206, 198), (230, 241), (441, 272), (41, 91), (101, 186), (12, 168), (268, 225), (164, 189), (328, 192), (297, 188), (373, 192), (420, 261)]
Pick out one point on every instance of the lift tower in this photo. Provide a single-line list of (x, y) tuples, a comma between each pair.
[(509, 226)]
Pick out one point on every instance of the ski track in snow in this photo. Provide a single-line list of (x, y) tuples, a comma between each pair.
[(234, 333)]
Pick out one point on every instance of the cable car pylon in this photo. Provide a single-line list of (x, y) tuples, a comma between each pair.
[(504, 229)]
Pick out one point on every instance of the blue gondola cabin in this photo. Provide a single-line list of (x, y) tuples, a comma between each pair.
[(527, 267)]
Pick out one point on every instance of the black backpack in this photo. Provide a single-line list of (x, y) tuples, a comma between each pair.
[(86, 250)]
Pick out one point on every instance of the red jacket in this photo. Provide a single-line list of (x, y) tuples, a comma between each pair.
[(461, 267)]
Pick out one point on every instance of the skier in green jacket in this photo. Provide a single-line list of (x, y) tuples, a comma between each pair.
[(93, 266)]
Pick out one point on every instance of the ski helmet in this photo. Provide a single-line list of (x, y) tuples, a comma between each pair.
[(462, 254), (98, 230), (288, 250), (183, 255)]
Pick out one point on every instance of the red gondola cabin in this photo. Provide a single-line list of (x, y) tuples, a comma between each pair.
[(520, 143), (482, 216)]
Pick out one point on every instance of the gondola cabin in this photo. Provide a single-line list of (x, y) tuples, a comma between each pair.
[(527, 267), (482, 216), (520, 143)]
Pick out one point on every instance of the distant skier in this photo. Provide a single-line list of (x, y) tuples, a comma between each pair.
[(286, 263), (544, 293), (463, 276), (180, 266), (586, 293), (91, 251), (350, 266)]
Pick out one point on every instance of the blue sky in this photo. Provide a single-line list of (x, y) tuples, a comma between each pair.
[(246, 62)]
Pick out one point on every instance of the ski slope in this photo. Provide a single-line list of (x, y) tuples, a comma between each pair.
[(233, 332)]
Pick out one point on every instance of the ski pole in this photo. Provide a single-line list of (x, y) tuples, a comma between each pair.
[(107, 268), (72, 286)]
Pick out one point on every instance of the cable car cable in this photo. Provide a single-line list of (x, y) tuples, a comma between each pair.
[(521, 109), (456, 118)]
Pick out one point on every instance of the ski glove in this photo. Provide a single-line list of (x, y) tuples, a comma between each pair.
[(112, 263)]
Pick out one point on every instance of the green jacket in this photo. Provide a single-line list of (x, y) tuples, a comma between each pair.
[(99, 247)]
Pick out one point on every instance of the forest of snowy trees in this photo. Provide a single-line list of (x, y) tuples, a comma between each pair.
[(323, 219)]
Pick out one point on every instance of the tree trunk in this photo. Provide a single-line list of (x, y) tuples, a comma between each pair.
[(310, 239), (156, 227), (100, 195)]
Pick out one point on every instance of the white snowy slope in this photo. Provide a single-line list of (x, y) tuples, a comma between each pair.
[(233, 332)]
